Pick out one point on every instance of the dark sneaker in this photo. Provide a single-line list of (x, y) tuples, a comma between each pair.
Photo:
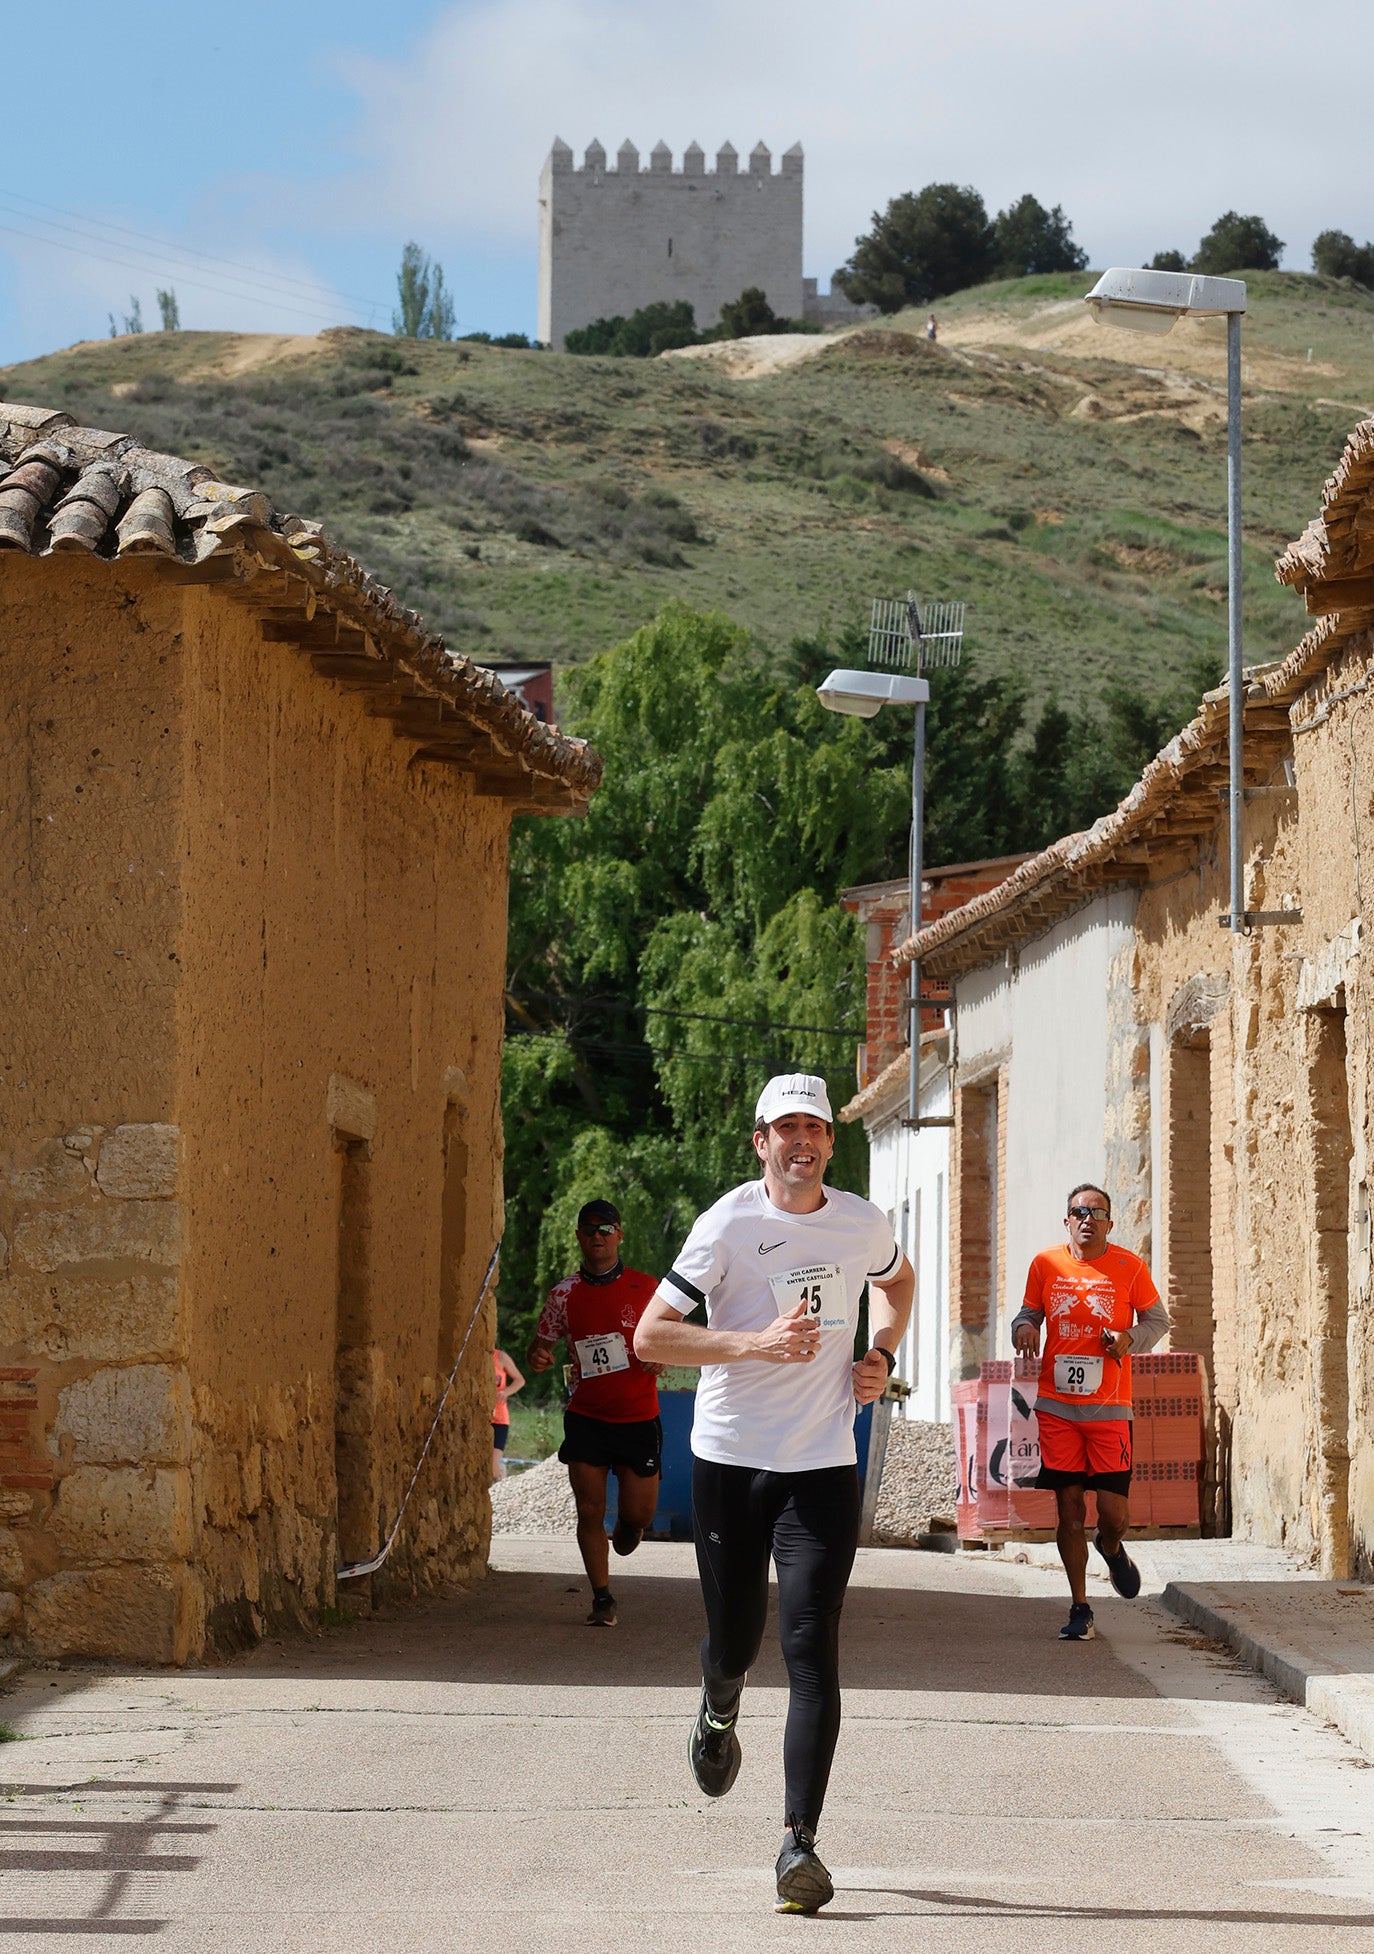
[(1125, 1575), (804, 1886), (603, 1613), (713, 1749), (626, 1538), (1079, 1626)]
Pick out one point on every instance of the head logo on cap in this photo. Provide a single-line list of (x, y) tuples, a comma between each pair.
[(793, 1092)]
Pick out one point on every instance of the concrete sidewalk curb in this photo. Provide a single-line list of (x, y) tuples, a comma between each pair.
[(1342, 1696)]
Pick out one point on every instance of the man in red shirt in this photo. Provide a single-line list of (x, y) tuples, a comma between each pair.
[(1096, 1303), (611, 1423)]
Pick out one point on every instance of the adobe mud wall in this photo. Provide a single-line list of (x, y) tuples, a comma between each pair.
[(1263, 1058), (249, 1121), (340, 1024)]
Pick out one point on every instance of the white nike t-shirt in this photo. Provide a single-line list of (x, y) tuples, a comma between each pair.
[(748, 1262)]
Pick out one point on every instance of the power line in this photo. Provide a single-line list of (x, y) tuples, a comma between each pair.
[(697, 1017), (97, 225), (196, 284)]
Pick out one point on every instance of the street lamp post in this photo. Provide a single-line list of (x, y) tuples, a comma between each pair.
[(1154, 301), (863, 695)]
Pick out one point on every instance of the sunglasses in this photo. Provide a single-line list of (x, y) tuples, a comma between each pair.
[(1088, 1214), (598, 1228)]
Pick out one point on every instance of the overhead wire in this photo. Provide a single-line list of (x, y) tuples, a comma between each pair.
[(97, 225), (196, 284), (698, 1017)]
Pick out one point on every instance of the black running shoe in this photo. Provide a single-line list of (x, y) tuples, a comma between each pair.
[(603, 1613), (1125, 1575), (713, 1749), (1079, 1626), (804, 1885), (626, 1538)]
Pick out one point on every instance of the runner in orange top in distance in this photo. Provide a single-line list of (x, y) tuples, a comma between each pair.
[(1096, 1304)]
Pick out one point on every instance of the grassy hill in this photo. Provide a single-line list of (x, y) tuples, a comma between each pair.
[(1068, 481)]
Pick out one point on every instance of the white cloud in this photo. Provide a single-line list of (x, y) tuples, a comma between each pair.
[(1145, 122)]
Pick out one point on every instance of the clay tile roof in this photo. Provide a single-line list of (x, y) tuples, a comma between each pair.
[(65, 488)]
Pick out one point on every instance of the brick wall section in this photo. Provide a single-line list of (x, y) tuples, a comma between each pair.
[(1188, 1208), (998, 1217), (972, 1154)]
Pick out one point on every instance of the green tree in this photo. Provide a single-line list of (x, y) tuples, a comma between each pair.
[(1167, 261), (1029, 238), (171, 312), (1335, 254), (425, 310), (1237, 243), (926, 243)]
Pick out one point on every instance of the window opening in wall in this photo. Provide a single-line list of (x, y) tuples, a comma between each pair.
[(973, 1228), (994, 1218), (913, 1250), (354, 1360), (453, 1229), (1329, 1261), (1189, 1288)]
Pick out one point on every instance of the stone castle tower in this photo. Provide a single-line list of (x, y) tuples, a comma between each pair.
[(611, 241)]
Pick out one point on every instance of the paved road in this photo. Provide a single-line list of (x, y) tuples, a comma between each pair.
[(484, 1773)]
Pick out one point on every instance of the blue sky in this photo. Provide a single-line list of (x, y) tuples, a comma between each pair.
[(300, 147)]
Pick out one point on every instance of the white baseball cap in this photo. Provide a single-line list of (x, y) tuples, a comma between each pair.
[(793, 1092)]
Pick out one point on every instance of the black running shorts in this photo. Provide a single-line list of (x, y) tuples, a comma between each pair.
[(636, 1447)]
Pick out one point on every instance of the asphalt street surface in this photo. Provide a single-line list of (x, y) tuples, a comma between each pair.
[(484, 1772)]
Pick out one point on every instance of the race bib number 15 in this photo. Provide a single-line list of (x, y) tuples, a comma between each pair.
[(821, 1287)]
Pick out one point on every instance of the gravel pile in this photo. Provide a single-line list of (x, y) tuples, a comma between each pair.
[(920, 1478), (538, 1500)]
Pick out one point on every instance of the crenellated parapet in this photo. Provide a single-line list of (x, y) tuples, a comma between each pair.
[(562, 161)]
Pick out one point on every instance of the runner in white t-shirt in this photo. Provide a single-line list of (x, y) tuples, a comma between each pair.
[(780, 1265)]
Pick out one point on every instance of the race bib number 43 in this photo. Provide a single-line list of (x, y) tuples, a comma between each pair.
[(1078, 1377), (821, 1287), (600, 1356)]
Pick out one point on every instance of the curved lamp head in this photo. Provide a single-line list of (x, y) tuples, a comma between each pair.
[(1153, 301), (864, 694)]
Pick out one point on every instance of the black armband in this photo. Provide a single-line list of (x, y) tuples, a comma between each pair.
[(889, 1356)]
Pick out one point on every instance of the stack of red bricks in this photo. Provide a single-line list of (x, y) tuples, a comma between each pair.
[(998, 1447)]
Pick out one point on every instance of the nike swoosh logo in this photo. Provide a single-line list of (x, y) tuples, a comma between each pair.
[(766, 1248)]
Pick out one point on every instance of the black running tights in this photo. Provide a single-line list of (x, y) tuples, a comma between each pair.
[(809, 1523)]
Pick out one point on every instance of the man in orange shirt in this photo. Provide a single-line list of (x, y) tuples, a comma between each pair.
[(1096, 1304)]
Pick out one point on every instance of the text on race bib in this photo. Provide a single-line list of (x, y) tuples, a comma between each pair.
[(1078, 1377), (821, 1286), (602, 1356)]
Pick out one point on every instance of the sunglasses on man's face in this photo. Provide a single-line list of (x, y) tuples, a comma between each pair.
[(1088, 1214), (598, 1228)]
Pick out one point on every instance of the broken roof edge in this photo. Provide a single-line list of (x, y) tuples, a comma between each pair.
[(1318, 551), (68, 489)]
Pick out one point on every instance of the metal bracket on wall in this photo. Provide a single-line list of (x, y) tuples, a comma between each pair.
[(1261, 917), (938, 1119), (1275, 793)]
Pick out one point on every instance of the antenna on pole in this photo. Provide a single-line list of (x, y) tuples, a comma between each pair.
[(906, 635)]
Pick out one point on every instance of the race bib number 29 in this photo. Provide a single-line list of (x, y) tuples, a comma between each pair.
[(1078, 1377), (821, 1287)]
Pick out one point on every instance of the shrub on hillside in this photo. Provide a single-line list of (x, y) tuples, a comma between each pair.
[(926, 243), (1237, 243), (1167, 261), (1335, 254), (652, 329)]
